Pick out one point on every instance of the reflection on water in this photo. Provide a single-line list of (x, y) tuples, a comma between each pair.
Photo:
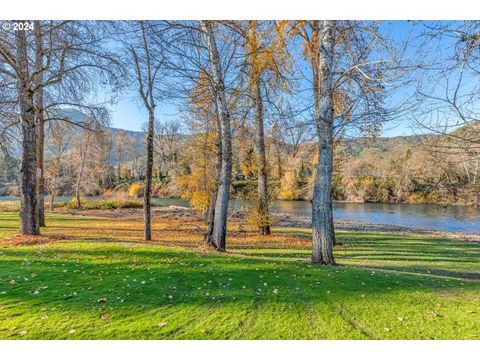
[(437, 217)]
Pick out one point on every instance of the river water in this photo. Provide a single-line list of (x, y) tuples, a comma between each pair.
[(428, 216)]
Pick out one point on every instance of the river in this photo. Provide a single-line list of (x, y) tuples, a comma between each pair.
[(428, 216)]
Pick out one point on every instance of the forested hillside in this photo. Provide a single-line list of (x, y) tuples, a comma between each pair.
[(378, 169)]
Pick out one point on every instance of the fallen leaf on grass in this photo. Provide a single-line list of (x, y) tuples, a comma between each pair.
[(162, 324), (105, 316)]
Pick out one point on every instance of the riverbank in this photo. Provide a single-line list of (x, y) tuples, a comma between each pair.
[(281, 219), (447, 219), (284, 219)]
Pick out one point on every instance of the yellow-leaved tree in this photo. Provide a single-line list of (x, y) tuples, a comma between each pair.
[(266, 58), (197, 178)]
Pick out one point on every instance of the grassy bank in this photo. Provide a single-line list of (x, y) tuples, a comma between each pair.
[(85, 204), (102, 282), (104, 204)]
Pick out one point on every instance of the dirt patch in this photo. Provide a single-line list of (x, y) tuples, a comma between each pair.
[(175, 218), (31, 239), (172, 212)]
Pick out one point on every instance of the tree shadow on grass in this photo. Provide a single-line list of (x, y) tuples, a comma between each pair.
[(134, 283), (180, 274), (423, 256)]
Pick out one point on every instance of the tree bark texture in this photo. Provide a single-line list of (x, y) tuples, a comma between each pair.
[(40, 123), (28, 170), (221, 204), (322, 219), (262, 201), (147, 194)]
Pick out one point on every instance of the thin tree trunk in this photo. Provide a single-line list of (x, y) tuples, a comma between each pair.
[(80, 173), (147, 194), (279, 161), (262, 161), (40, 123), (322, 219), (146, 90), (28, 176), (221, 204)]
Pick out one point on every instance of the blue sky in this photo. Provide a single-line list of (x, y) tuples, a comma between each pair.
[(128, 113)]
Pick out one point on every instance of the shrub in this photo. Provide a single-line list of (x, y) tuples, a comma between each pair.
[(104, 204), (199, 201), (290, 187), (135, 190)]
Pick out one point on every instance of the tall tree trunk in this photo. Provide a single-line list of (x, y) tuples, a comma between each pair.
[(221, 205), (322, 219), (40, 123), (218, 169), (147, 194), (262, 201), (28, 177)]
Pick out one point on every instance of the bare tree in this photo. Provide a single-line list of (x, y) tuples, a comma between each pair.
[(147, 60), (119, 139), (20, 71), (40, 120), (446, 102), (67, 58), (193, 79), (57, 145), (352, 69), (167, 144), (223, 192), (83, 153)]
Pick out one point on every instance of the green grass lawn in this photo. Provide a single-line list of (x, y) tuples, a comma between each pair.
[(385, 287)]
